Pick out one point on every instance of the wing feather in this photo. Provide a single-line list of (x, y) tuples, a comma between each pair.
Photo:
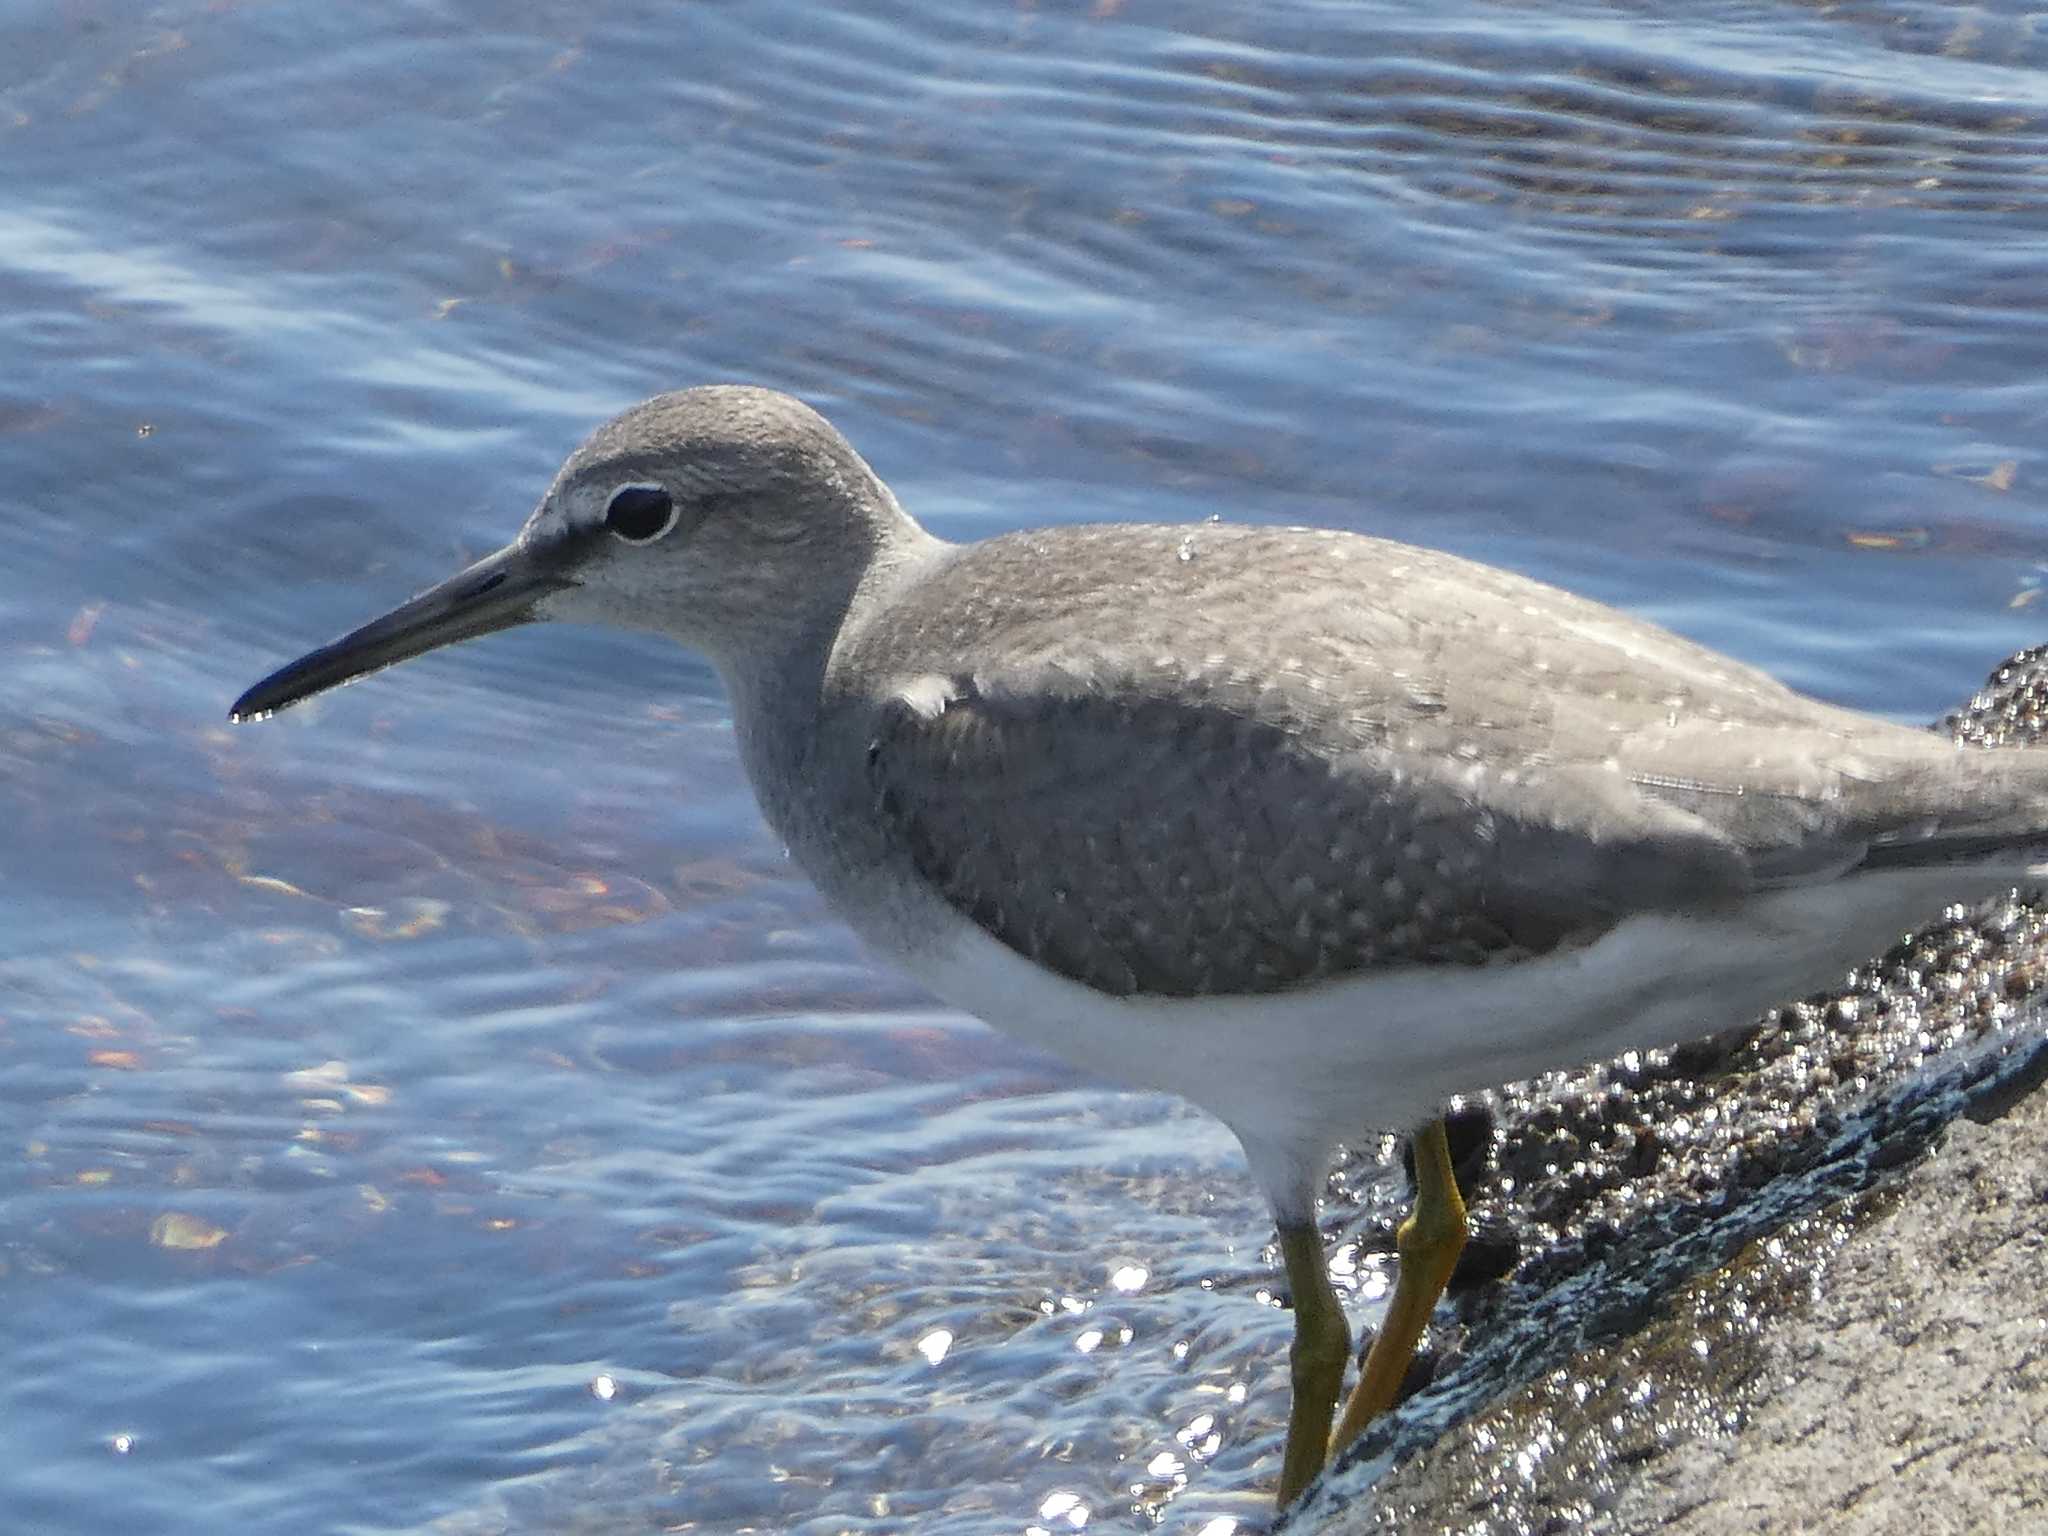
[(1142, 846)]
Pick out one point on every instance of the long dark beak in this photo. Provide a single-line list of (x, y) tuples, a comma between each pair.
[(498, 592)]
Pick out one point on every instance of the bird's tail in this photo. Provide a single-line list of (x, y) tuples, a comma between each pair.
[(1987, 812)]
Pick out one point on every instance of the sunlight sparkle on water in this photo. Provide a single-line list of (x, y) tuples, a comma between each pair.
[(1064, 1506)]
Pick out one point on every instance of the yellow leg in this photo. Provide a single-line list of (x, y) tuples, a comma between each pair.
[(1429, 1243), (1322, 1347)]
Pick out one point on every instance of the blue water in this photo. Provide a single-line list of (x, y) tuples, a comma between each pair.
[(442, 1108)]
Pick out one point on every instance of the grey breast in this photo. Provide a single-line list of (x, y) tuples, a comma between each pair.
[(1232, 760)]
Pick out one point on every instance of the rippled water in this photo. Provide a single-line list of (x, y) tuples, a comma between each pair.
[(442, 1108)]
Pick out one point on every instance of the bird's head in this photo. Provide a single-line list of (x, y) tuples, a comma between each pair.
[(720, 516)]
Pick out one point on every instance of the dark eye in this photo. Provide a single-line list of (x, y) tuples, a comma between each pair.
[(640, 514)]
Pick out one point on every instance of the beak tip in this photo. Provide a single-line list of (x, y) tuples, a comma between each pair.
[(288, 685), (255, 704)]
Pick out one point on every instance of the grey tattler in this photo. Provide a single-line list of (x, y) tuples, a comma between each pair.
[(1315, 829)]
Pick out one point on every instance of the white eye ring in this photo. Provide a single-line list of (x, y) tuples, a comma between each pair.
[(639, 513)]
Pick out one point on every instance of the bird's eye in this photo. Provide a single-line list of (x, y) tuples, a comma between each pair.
[(640, 514)]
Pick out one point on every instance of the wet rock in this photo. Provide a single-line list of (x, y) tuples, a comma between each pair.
[(1880, 1366)]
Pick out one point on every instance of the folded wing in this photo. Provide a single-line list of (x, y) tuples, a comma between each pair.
[(1459, 767)]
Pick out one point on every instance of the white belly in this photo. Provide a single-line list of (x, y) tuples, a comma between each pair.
[(1294, 1072)]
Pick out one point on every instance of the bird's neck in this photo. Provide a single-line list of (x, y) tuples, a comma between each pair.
[(779, 699), (775, 704)]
